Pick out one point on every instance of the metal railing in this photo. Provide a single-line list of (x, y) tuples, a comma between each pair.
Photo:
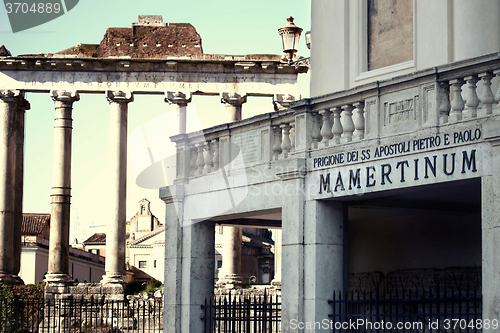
[(36, 315), (444, 309), (242, 314)]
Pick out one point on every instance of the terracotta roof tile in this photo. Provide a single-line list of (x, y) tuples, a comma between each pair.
[(33, 224), (96, 238)]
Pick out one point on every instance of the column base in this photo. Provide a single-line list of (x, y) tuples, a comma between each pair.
[(10, 279), (232, 281), (113, 279), (58, 278)]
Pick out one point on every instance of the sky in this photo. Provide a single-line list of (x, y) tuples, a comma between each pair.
[(233, 27)]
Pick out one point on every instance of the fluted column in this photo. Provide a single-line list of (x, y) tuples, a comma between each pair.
[(231, 258), (8, 104), (233, 102), (179, 102), (116, 233), (277, 259), (58, 270), (22, 106)]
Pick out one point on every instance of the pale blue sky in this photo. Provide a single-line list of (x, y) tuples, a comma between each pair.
[(225, 26)]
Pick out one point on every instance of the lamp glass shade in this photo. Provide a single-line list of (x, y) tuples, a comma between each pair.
[(290, 35)]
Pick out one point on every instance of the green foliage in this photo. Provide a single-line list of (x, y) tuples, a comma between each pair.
[(8, 310), (137, 287)]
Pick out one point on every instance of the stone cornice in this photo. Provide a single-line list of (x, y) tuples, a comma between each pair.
[(205, 64)]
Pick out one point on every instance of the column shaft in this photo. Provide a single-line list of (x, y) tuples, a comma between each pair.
[(277, 258), (116, 233), (18, 187), (8, 104), (231, 257), (179, 102), (58, 270)]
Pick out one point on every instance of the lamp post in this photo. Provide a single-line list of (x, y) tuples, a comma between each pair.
[(290, 35)]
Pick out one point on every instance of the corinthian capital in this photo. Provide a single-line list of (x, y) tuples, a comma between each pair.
[(118, 96)]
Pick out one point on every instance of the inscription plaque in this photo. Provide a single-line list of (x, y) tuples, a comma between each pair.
[(244, 147)]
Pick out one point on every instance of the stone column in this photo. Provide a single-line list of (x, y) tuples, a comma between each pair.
[(116, 232), (58, 270), (179, 102), (8, 103), (18, 186), (231, 258), (276, 282), (233, 102)]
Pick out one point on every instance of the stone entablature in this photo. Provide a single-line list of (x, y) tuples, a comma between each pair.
[(228, 74)]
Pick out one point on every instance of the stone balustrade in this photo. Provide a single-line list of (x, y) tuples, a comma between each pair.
[(451, 93)]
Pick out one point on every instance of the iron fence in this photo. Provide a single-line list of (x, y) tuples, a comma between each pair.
[(242, 314), (81, 315), (445, 309)]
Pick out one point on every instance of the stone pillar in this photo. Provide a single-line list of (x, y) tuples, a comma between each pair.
[(179, 102), (313, 250), (189, 265), (231, 258), (276, 282), (490, 225), (233, 102), (325, 256), (58, 270), (8, 104), (116, 233), (18, 186)]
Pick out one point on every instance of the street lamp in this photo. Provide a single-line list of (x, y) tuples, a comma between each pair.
[(290, 35)]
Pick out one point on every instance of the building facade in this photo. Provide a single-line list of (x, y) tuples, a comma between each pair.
[(386, 175)]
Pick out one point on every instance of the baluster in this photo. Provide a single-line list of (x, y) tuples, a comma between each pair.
[(472, 101), (348, 124), (326, 128), (497, 95), (277, 142), (192, 164), (444, 104), (292, 135), (359, 120), (207, 154), (457, 104), (200, 161), (487, 97), (286, 145), (337, 125), (315, 132), (215, 147)]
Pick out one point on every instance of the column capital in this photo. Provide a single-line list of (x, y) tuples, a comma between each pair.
[(282, 101), (64, 96), (178, 98), (11, 95), (233, 98), (119, 96)]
